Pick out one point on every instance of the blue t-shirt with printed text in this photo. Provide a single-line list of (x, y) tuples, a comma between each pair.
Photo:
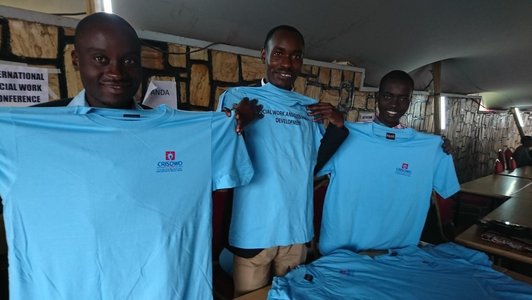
[(114, 204), (275, 208), (445, 271), (381, 180)]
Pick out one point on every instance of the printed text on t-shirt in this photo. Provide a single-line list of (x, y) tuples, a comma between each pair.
[(286, 117)]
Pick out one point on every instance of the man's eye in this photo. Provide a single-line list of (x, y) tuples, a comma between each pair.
[(276, 53), (131, 61), (100, 59), (387, 96), (404, 99), (297, 56)]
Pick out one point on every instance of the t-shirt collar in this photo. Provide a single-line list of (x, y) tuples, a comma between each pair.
[(263, 83), (80, 100)]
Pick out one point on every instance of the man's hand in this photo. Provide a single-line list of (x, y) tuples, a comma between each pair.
[(246, 112), (325, 111), (446, 146)]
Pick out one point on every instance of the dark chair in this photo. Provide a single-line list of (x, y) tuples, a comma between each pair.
[(320, 189), (499, 166), (470, 208), (508, 159), (223, 288), (439, 225)]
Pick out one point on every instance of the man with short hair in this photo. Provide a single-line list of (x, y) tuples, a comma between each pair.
[(111, 202), (272, 216), (523, 154), (382, 178), (107, 55)]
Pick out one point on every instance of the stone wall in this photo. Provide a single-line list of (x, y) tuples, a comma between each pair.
[(203, 74)]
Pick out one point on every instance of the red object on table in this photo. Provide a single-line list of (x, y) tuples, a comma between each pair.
[(512, 164), (500, 156), (499, 166), (508, 158)]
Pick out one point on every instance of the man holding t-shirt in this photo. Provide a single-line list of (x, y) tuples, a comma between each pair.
[(108, 202), (382, 178), (272, 216)]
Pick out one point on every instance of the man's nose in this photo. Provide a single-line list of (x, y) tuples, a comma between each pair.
[(395, 100), (286, 61), (115, 70)]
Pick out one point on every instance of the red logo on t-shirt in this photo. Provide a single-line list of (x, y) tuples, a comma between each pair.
[(170, 155), (404, 166)]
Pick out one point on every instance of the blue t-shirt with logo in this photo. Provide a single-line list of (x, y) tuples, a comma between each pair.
[(380, 187), (445, 271), (114, 204), (275, 208)]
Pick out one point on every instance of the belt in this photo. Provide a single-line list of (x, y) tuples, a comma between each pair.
[(372, 252)]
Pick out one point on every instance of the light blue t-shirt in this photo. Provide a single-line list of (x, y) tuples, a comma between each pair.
[(446, 271), (114, 204), (275, 208), (380, 187)]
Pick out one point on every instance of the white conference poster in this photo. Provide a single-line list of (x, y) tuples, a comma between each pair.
[(23, 86), (161, 92)]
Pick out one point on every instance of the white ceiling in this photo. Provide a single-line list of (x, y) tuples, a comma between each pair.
[(485, 45), (48, 6)]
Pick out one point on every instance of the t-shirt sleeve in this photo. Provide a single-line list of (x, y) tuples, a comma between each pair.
[(231, 165), (445, 180), (228, 98)]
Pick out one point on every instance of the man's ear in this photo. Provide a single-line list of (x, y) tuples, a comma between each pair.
[(263, 55), (75, 59)]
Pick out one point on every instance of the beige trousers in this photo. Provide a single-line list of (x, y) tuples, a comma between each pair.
[(251, 274)]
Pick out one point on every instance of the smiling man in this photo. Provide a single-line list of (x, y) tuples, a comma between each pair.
[(133, 221), (272, 216), (393, 101), (382, 178), (283, 57), (107, 55), (393, 98)]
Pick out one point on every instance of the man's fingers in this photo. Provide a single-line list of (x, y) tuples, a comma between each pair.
[(227, 111)]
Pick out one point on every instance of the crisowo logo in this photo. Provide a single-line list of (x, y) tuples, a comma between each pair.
[(170, 155), (403, 170), (170, 164)]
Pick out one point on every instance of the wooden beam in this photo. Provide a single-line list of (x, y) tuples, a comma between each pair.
[(519, 128), (93, 6), (436, 75)]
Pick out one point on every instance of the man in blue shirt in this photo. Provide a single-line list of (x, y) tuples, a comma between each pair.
[(272, 216), (107, 55), (382, 178)]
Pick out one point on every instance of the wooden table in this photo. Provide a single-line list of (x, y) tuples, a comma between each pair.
[(516, 210), (522, 172), (495, 186), (525, 192), (260, 294)]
